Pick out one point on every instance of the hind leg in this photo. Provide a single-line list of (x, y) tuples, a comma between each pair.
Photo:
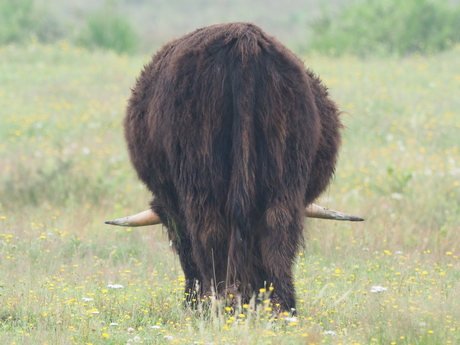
[(193, 277), (182, 244), (279, 247), (192, 274), (210, 253)]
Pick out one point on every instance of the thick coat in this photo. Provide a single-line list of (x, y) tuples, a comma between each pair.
[(233, 137)]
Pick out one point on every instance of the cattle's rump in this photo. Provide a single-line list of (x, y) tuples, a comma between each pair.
[(234, 137)]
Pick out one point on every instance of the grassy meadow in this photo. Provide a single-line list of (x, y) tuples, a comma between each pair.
[(67, 278)]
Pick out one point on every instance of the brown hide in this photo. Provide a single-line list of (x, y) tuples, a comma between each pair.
[(233, 137)]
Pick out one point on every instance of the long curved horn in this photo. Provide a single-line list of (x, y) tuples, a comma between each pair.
[(141, 219), (151, 218), (315, 211)]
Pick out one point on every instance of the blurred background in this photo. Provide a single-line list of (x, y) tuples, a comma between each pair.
[(334, 26), (67, 68), (393, 67)]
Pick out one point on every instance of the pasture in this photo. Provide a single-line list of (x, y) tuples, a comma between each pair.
[(67, 278)]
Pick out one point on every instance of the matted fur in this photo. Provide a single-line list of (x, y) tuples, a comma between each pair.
[(234, 137)]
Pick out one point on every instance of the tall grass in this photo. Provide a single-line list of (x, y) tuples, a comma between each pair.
[(64, 170)]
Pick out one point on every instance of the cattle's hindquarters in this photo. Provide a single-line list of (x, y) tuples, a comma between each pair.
[(223, 127)]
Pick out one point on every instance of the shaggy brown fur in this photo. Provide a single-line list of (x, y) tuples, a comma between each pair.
[(234, 137)]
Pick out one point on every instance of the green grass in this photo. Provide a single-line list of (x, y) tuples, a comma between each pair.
[(64, 169)]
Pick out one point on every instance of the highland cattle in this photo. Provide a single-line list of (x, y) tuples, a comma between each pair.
[(235, 139)]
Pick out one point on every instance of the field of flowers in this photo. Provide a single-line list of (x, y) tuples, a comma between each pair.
[(67, 278)]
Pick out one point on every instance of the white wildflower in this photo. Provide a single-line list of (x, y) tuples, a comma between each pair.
[(87, 299), (156, 327), (169, 337), (378, 288), (137, 339), (114, 324), (330, 333), (130, 330), (115, 286), (291, 319), (397, 196)]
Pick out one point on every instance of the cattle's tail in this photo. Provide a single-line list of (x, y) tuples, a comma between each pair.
[(241, 195)]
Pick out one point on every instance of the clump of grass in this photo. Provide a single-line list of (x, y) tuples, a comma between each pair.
[(22, 21), (373, 27), (108, 30), (17, 20)]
